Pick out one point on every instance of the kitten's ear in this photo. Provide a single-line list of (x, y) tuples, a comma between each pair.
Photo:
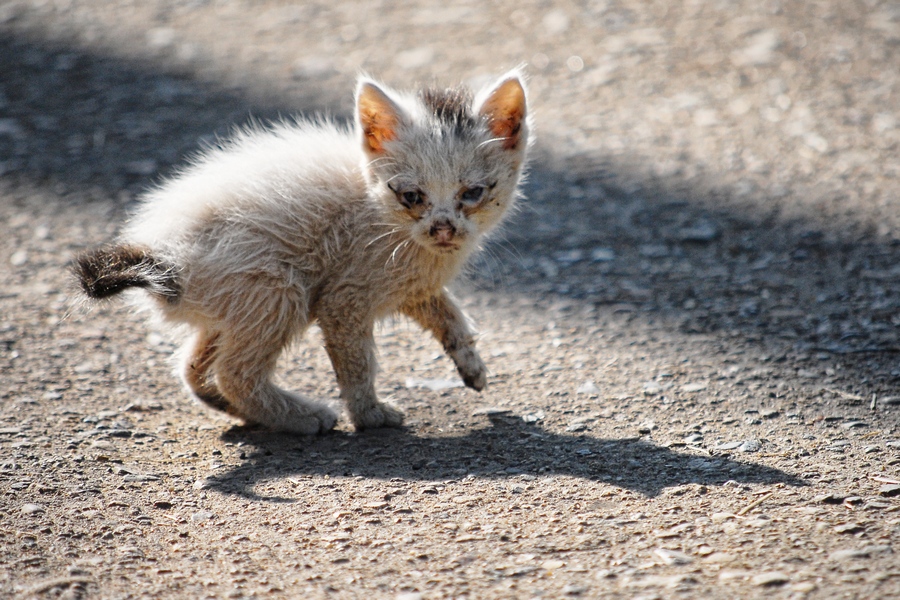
[(504, 106), (379, 117)]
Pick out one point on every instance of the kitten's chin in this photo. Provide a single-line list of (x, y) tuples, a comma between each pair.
[(445, 249)]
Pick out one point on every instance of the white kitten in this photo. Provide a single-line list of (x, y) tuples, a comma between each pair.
[(312, 222)]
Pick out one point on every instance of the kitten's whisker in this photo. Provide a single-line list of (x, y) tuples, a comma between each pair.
[(384, 235), (492, 140), (399, 247), (387, 159)]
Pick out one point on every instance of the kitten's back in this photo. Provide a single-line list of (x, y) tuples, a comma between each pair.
[(285, 170)]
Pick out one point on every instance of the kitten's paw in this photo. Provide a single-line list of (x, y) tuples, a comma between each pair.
[(378, 415), (471, 368), (313, 420)]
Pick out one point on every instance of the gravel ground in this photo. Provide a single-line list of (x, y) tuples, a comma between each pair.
[(692, 324)]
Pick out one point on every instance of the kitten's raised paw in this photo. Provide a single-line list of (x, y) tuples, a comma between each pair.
[(378, 415), (476, 381), (471, 368)]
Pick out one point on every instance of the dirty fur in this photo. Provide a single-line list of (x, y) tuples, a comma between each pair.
[(313, 222)]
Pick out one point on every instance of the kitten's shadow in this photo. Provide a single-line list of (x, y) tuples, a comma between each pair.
[(507, 448)]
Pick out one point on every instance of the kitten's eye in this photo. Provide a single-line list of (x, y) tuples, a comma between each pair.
[(472, 195), (411, 198), (408, 198)]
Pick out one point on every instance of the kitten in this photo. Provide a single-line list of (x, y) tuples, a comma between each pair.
[(312, 222)]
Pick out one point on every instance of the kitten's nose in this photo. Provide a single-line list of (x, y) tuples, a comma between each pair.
[(442, 232)]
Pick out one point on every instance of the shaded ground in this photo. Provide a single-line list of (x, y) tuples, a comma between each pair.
[(691, 324)]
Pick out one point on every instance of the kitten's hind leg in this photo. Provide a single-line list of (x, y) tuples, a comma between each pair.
[(198, 375), (244, 367), (256, 326)]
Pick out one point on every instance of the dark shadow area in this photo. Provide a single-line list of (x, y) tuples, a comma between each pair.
[(75, 120), (507, 448)]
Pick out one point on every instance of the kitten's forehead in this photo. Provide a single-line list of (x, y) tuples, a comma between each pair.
[(450, 107)]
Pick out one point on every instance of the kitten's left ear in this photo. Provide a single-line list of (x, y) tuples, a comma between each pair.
[(504, 106), (379, 116)]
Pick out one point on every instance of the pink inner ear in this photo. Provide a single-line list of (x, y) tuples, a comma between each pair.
[(505, 109), (379, 118), (508, 129)]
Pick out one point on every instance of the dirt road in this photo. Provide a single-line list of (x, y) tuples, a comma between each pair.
[(691, 325)]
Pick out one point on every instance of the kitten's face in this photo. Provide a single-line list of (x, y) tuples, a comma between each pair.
[(446, 167)]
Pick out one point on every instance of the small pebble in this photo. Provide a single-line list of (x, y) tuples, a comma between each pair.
[(534, 417), (720, 558), (673, 557), (602, 255), (18, 258), (646, 427), (864, 552), (703, 231), (889, 490), (139, 477), (729, 446), (490, 410), (830, 498), (574, 589), (569, 257), (651, 388), (721, 517), (435, 385), (690, 388), (750, 446), (848, 528), (589, 388), (770, 578), (31, 509)]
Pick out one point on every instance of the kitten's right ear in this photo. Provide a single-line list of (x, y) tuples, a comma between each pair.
[(378, 116)]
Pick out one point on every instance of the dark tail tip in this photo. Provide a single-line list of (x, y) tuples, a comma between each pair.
[(107, 271)]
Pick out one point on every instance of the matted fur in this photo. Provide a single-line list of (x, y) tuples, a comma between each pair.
[(313, 222)]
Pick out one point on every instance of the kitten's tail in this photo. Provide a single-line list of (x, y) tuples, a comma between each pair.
[(109, 270)]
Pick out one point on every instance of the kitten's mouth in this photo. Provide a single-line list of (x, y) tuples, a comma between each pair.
[(445, 247)]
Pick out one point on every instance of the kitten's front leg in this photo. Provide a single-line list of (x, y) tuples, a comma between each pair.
[(351, 347), (442, 317)]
